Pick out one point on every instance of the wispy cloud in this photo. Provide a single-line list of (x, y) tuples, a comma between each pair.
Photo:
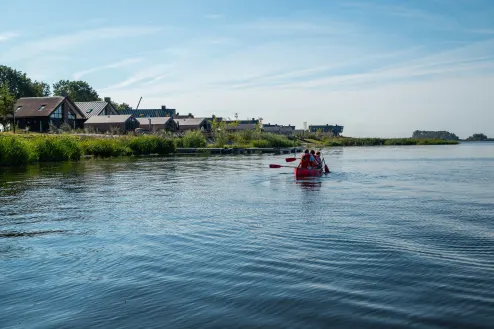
[(55, 44), (286, 26), (156, 72), (7, 36), (123, 63)]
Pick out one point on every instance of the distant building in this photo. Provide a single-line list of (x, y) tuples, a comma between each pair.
[(278, 129), (90, 109), (201, 124), (37, 113), (104, 123), (150, 113), (237, 125), (157, 124), (335, 130)]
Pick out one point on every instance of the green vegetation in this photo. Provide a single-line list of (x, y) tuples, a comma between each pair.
[(348, 141), (193, 139), (248, 138), (446, 135), (476, 137), (29, 148), (78, 91)]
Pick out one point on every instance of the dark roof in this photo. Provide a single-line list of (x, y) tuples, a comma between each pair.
[(108, 118), (90, 109), (154, 121), (149, 113), (36, 106)]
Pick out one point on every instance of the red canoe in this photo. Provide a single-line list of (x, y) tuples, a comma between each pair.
[(304, 172)]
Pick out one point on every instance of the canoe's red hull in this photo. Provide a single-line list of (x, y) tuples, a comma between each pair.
[(304, 172)]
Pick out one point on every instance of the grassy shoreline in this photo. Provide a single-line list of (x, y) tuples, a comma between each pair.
[(22, 149)]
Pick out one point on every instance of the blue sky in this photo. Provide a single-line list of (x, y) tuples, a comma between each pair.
[(380, 68)]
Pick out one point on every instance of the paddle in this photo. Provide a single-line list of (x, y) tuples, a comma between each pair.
[(290, 159), (279, 166)]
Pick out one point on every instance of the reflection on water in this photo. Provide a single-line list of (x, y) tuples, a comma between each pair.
[(309, 184), (394, 237)]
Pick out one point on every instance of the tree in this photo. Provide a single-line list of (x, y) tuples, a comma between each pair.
[(20, 85), (477, 137), (77, 91), (446, 135), (7, 101), (123, 106)]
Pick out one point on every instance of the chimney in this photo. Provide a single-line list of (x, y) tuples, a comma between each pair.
[(108, 99), (163, 107)]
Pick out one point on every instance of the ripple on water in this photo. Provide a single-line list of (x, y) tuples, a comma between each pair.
[(393, 238)]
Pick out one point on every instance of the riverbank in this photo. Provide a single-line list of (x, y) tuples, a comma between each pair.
[(23, 149)]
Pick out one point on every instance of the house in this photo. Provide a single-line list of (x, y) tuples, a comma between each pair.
[(237, 125), (37, 113), (193, 124), (157, 124), (104, 123), (90, 109), (326, 129), (150, 113), (278, 129)]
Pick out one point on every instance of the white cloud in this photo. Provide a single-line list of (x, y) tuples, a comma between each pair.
[(122, 63), (7, 36)]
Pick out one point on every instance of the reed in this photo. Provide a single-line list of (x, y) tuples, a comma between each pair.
[(193, 139), (29, 148), (349, 141), (149, 144), (15, 151)]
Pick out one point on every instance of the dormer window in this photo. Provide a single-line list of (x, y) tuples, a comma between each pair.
[(18, 108), (89, 111), (42, 107)]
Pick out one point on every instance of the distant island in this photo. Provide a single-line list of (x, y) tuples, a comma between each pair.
[(479, 138)]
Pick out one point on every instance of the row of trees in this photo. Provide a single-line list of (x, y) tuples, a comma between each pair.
[(478, 137), (15, 84), (446, 135)]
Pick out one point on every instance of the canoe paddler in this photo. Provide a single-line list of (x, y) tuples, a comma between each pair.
[(307, 160)]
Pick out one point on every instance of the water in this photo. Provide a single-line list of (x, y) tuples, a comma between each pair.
[(395, 237)]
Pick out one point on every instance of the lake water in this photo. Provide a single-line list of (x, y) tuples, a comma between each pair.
[(394, 237)]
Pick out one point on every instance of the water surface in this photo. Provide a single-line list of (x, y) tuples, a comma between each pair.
[(394, 237)]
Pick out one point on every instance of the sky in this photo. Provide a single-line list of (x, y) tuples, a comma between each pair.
[(382, 68)]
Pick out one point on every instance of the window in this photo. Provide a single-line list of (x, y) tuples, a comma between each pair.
[(71, 115), (89, 111), (18, 108), (57, 114), (42, 107)]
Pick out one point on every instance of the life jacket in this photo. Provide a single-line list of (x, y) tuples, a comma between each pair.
[(305, 162)]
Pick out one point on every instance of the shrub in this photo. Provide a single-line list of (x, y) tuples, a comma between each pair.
[(275, 140), (151, 144), (105, 147), (15, 151), (57, 148), (194, 139), (260, 143)]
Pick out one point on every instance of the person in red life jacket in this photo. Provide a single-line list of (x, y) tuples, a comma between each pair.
[(307, 161)]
